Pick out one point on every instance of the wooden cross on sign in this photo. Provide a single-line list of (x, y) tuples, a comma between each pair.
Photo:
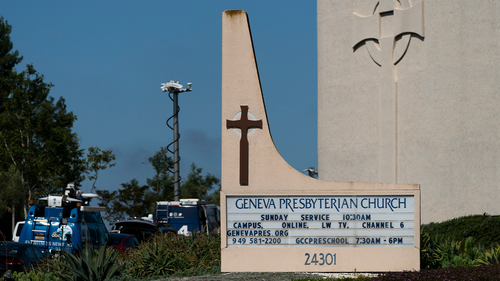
[(244, 125)]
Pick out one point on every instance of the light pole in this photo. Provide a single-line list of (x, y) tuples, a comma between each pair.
[(311, 171), (174, 88)]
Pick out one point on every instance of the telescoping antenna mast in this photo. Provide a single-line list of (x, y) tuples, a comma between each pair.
[(174, 88)]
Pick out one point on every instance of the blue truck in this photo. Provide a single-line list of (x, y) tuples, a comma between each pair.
[(188, 216), (64, 223)]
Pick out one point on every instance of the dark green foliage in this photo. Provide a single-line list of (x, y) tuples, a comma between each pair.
[(89, 265), (215, 196), (54, 265), (460, 242), (162, 181), (461, 253), (92, 265), (8, 58), (132, 200), (164, 255), (21, 276), (428, 246), (196, 185), (11, 184), (453, 253), (483, 228)]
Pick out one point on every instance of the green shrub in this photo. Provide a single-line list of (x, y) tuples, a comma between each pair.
[(483, 228), (164, 255), (91, 265), (462, 253), (491, 256), (31, 276), (53, 265), (440, 247), (428, 246)]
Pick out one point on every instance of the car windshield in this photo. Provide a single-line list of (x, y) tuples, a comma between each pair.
[(92, 217)]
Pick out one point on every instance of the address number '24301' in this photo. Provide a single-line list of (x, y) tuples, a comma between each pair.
[(321, 259)]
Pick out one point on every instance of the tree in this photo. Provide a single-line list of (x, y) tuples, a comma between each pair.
[(132, 200), (37, 137), (8, 59), (11, 187), (36, 130), (215, 196), (196, 185), (97, 160), (163, 180), (136, 201)]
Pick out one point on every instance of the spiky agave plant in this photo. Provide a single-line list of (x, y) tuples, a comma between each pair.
[(92, 265)]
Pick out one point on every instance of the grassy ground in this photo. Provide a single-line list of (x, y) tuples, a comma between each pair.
[(241, 276)]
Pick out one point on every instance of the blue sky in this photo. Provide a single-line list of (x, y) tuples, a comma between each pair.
[(107, 59)]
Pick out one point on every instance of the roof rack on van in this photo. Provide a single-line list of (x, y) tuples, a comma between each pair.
[(186, 202), (71, 196)]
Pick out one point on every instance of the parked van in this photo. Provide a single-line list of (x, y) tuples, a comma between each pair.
[(188, 216), (64, 222)]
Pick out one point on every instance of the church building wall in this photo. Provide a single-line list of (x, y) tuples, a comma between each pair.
[(444, 87)]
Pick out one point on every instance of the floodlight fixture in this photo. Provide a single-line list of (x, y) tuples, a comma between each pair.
[(175, 87)]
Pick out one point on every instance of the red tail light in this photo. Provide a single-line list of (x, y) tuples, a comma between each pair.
[(13, 261)]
